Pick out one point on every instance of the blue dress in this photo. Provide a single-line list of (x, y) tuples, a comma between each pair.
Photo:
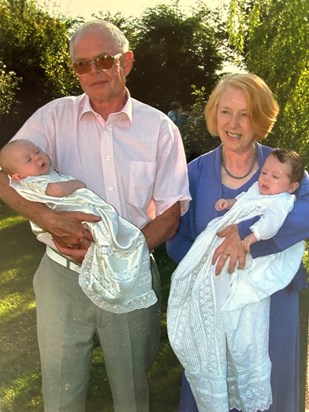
[(206, 188)]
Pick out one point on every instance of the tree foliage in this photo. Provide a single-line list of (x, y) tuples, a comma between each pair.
[(9, 85), (34, 49), (173, 52), (177, 57), (196, 138), (273, 38)]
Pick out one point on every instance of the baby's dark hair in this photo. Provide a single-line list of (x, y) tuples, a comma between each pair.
[(294, 159)]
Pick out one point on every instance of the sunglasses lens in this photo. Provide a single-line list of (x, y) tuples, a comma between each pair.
[(82, 67), (104, 62)]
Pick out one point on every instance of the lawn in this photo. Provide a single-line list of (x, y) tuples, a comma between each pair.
[(19, 360)]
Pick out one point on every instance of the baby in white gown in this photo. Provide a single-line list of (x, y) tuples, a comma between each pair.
[(115, 273), (218, 326)]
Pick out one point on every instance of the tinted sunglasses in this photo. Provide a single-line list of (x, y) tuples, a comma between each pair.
[(103, 62)]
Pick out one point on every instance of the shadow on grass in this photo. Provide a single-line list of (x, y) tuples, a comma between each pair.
[(20, 380)]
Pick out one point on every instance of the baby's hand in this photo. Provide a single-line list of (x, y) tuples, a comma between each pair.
[(221, 204), (246, 245), (248, 241)]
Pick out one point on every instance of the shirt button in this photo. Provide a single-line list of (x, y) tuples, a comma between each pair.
[(110, 188), (107, 158)]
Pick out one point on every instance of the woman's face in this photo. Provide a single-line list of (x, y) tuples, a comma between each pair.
[(234, 127)]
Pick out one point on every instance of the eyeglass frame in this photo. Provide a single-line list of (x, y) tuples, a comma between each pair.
[(94, 61)]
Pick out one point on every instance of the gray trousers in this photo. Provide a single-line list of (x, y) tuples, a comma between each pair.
[(66, 324)]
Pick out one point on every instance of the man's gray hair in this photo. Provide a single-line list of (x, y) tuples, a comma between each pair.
[(118, 38)]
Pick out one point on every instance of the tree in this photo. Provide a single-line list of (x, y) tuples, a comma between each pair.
[(273, 38), (9, 84), (196, 138), (34, 49), (174, 51)]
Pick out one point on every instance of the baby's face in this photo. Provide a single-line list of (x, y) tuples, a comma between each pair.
[(275, 177), (29, 160)]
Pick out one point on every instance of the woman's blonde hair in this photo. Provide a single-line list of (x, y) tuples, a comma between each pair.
[(263, 107)]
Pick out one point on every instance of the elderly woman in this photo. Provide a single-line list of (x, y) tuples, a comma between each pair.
[(241, 111)]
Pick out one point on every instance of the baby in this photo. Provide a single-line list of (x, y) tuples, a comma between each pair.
[(225, 318), (115, 273), (281, 173)]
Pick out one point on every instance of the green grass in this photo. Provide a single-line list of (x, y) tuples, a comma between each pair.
[(20, 379)]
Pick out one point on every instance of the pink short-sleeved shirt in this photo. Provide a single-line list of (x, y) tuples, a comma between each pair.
[(134, 160)]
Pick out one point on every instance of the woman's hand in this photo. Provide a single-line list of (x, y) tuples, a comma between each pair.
[(231, 248)]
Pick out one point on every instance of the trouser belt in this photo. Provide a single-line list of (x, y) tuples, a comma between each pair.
[(62, 260)]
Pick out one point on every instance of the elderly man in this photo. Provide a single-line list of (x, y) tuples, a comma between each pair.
[(132, 156)]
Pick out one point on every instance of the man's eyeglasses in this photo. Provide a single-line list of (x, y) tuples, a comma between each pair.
[(103, 62)]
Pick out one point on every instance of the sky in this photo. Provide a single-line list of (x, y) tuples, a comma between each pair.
[(85, 8)]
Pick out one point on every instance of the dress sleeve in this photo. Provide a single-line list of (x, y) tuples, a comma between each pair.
[(275, 214), (179, 245)]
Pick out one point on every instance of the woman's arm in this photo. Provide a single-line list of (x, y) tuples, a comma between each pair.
[(294, 229), (178, 246)]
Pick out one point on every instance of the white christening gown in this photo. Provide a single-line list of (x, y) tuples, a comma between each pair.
[(115, 273), (218, 326)]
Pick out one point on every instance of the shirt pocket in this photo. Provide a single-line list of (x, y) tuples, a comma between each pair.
[(142, 177)]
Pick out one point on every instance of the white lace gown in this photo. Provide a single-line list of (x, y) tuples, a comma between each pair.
[(218, 325), (115, 273)]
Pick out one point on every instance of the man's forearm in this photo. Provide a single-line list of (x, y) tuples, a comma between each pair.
[(162, 227), (66, 228), (31, 210)]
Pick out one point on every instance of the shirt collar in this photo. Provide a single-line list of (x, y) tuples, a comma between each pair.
[(126, 110)]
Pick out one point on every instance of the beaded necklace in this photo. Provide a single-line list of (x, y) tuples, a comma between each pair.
[(250, 169)]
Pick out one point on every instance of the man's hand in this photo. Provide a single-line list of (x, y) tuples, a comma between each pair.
[(75, 254), (231, 248), (69, 231)]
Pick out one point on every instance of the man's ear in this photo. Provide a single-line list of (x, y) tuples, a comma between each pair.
[(127, 62), (293, 186)]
